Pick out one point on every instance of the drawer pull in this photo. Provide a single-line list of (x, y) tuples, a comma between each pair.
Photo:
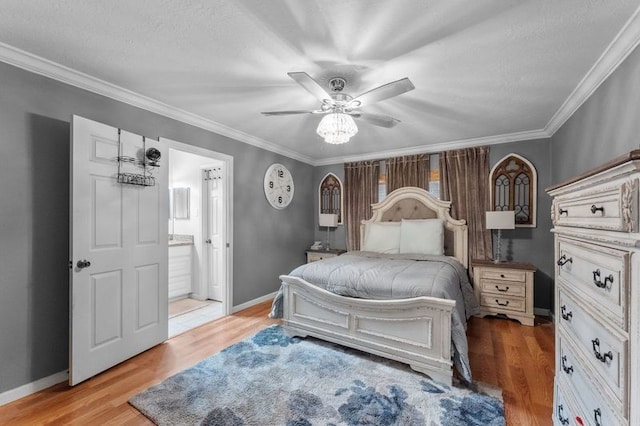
[(596, 351), (597, 416), (602, 284), (563, 420), (502, 304), (563, 259), (566, 369), (595, 209), (565, 315), (562, 211), (504, 290)]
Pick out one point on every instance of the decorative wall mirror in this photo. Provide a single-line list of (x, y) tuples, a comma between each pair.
[(330, 192), (513, 186), (179, 200)]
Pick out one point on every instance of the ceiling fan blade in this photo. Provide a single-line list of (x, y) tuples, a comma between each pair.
[(292, 112), (284, 112), (378, 120), (380, 93), (310, 85)]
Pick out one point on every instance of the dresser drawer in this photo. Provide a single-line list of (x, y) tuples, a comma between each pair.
[(503, 303), (608, 208), (605, 349), (564, 407), (598, 272), (592, 403)]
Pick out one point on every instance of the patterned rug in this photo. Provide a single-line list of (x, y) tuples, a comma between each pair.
[(273, 379)]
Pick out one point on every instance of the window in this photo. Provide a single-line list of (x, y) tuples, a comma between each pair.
[(513, 182), (434, 177), (331, 196)]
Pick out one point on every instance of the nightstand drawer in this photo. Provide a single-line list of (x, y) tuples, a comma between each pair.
[(503, 303), (504, 288), (503, 275), (314, 256)]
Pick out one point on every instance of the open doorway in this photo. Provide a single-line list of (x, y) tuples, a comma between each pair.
[(199, 237)]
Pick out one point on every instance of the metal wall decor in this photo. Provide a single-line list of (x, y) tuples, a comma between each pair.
[(149, 160), (513, 185)]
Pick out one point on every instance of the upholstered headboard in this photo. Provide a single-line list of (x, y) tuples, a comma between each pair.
[(416, 203)]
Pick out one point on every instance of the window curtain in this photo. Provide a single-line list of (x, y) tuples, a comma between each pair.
[(409, 170), (361, 190), (464, 176)]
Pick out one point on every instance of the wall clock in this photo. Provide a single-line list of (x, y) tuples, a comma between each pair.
[(278, 186)]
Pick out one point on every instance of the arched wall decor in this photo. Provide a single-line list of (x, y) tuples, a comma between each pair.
[(513, 184), (331, 196)]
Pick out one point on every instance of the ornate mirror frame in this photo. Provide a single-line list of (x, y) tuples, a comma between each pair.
[(519, 178)]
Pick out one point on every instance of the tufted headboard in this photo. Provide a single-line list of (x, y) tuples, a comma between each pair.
[(416, 203)]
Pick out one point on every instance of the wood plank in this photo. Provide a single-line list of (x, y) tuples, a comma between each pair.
[(503, 353)]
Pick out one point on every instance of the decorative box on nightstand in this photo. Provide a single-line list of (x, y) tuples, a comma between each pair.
[(315, 255), (504, 288)]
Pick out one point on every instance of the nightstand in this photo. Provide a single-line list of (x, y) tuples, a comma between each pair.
[(315, 255), (504, 288)]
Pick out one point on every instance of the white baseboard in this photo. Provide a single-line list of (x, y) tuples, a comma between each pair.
[(33, 387), (253, 302)]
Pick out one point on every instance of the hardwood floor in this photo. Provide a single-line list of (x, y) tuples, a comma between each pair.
[(503, 353)]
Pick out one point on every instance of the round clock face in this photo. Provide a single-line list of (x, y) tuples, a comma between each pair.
[(278, 186)]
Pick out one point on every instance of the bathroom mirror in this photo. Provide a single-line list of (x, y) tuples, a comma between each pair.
[(180, 203)]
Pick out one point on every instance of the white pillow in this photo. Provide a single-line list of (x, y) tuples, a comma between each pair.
[(423, 236), (382, 237)]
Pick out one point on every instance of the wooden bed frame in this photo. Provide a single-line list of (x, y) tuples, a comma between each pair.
[(414, 331)]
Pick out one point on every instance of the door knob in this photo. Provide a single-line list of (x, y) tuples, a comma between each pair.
[(208, 241), (83, 264)]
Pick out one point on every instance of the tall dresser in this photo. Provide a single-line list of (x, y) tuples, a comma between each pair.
[(597, 296)]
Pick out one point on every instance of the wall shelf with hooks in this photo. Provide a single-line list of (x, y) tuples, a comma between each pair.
[(149, 161)]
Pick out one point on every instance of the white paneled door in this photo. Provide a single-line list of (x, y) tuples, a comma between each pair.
[(119, 283), (216, 236)]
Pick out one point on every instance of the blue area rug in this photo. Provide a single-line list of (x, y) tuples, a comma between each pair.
[(273, 379)]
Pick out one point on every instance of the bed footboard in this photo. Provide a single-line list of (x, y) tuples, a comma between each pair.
[(414, 331)]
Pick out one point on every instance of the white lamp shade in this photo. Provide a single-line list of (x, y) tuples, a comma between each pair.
[(501, 220), (329, 220)]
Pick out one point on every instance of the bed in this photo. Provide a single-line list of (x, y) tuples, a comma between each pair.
[(423, 331)]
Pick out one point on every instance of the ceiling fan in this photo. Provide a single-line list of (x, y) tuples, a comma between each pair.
[(340, 105)]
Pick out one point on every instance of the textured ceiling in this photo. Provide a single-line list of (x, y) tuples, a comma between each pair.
[(482, 69)]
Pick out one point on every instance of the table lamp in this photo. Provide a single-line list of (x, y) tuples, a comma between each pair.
[(330, 221), (500, 220)]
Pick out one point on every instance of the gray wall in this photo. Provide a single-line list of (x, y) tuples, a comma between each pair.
[(533, 245), (35, 115), (607, 125)]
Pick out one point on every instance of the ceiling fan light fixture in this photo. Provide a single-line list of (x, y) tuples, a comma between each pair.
[(337, 128)]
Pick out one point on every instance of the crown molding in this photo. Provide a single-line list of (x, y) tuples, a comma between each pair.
[(622, 45), (38, 65), (618, 50), (432, 149)]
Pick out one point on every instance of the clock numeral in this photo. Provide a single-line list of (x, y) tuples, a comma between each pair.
[(280, 173), (271, 184), (280, 199), (288, 188)]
